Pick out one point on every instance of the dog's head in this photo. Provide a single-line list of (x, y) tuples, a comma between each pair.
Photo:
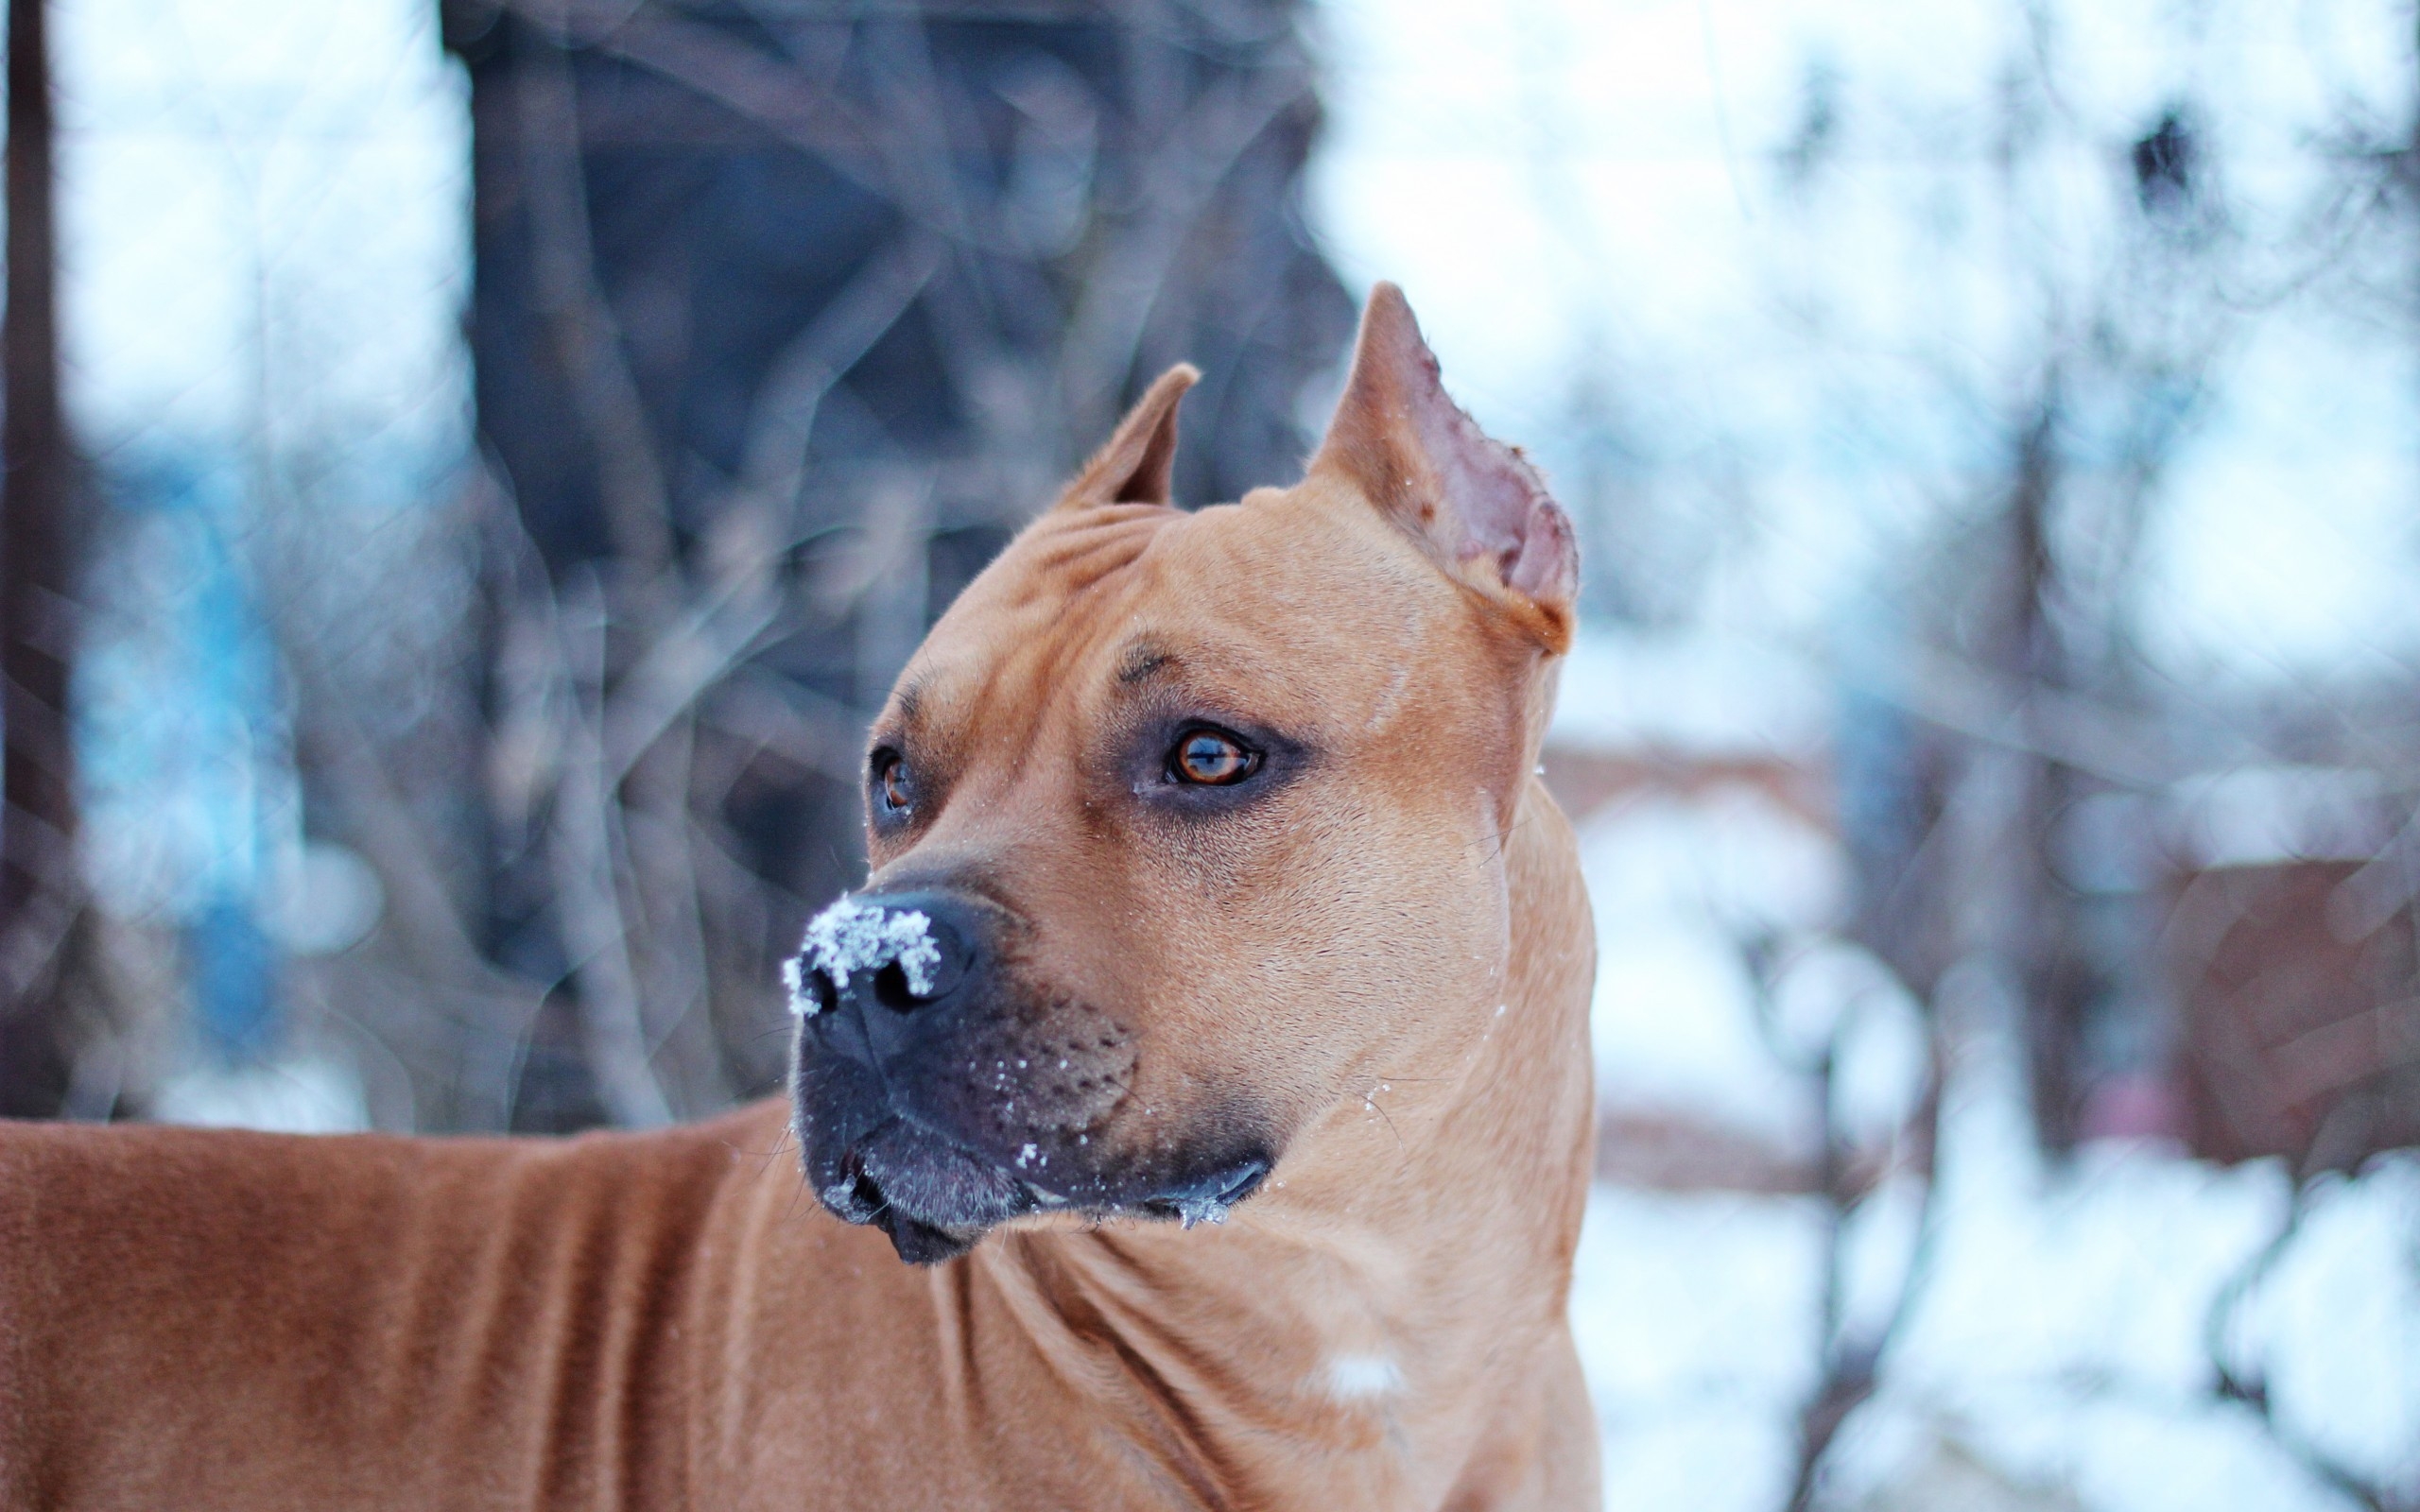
[(1184, 825)]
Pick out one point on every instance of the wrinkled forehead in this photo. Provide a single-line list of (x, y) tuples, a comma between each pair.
[(1271, 607)]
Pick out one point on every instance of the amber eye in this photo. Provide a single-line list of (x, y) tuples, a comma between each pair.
[(1212, 758), (891, 781)]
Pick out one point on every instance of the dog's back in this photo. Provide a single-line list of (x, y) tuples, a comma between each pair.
[(191, 1318)]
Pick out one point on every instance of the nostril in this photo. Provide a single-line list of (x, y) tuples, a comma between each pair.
[(866, 1195), (892, 990), (827, 996), (900, 951)]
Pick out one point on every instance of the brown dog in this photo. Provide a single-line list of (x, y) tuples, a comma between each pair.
[(1208, 865)]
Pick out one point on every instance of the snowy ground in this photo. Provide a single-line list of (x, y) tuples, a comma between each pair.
[(2056, 1348), (2054, 1358)]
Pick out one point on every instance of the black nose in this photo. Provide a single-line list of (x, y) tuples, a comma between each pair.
[(880, 956)]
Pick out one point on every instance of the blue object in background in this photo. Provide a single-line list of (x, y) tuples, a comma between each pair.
[(191, 809), (232, 965)]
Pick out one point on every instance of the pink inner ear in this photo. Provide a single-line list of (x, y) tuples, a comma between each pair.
[(1495, 504), (1417, 456)]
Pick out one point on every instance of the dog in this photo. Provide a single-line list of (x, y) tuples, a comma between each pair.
[(1194, 1105)]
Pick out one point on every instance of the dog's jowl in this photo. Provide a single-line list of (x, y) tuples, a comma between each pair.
[(1191, 1110)]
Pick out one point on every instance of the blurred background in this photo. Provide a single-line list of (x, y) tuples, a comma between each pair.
[(475, 466)]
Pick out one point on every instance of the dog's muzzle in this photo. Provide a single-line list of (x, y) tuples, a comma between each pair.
[(938, 1096)]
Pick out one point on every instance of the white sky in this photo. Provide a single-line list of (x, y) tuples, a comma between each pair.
[(1591, 185), (264, 214), (266, 203)]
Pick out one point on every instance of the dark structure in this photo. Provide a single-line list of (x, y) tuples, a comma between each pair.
[(40, 893), (2300, 1036), (807, 306)]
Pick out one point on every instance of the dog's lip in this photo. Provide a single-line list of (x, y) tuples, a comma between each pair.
[(860, 1195), (848, 1195), (1209, 1198)]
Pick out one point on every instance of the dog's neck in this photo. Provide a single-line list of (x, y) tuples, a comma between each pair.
[(1405, 1255)]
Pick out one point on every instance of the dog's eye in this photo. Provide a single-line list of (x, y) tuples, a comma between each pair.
[(1210, 757), (891, 787)]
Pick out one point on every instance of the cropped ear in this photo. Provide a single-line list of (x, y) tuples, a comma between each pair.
[(1134, 467), (1475, 505)]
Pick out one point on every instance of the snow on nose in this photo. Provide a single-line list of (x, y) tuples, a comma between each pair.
[(853, 935)]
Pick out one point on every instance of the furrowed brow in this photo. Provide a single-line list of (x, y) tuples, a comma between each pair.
[(904, 713), (1143, 661)]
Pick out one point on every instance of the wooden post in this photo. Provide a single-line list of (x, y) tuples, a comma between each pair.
[(39, 887)]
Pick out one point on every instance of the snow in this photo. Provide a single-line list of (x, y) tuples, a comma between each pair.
[(295, 1095), (1834, 997), (1697, 695), (1695, 1315), (2098, 1451), (1674, 1019), (851, 937), (2055, 1352), (2337, 1323), (1731, 853), (1673, 1024), (2057, 1343)]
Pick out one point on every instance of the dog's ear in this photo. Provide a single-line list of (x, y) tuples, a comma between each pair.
[(1476, 505), (1134, 467)]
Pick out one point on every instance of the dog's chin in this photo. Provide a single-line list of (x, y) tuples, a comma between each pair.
[(933, 1199), (936, 1198)]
